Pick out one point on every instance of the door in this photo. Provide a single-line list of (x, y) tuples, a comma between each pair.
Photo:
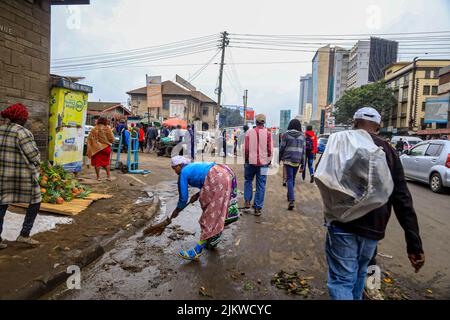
[(428, 160), (410, 161)]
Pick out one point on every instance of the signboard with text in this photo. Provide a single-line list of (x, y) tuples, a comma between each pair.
[(177, 108), (437, 109), (154, 92)]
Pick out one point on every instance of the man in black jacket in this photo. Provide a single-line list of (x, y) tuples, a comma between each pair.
[(350, 246)]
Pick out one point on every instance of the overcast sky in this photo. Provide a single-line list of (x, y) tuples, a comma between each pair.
[(117, 25)]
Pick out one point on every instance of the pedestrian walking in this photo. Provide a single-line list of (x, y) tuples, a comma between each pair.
[(241, 139), (190, 142), (19, 170), (400, 146), (311, 152), (217, 196), (292, 153), (99, 144), (258, 156), (151, 135), (351, 245), (141, 138), (224, 142)]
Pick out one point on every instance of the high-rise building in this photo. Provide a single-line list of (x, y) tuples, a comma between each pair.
[(367, 61), (306, 92), (340, 73), (285, 117), (323, 80)]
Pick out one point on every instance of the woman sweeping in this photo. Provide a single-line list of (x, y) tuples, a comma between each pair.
[(99, 144), (218, 200)]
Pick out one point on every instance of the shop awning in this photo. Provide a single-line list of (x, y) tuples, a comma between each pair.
[(433, 131)]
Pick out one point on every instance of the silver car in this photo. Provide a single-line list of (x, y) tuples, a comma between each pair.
[(429, 162)]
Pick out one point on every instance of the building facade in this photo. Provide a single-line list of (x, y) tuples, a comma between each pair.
[(177, 103), (367, 61), (412, 82), (340, 73), (25, 61), (285, 117), (322, 79), (113, 111), (306, 92)]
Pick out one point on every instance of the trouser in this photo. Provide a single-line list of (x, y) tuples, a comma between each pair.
[(261, 178), (348, 257), (28, 222), (141, 146), (151, 144), (309, 164), (291, 173)]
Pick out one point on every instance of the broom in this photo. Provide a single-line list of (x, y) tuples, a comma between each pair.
[(158, 229)]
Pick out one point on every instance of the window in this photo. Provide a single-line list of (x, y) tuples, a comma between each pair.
[(205, 111), (423, 106), (166, 104), (428, 74), (434, 150), (419, 150), (426, 90), (434, 90)]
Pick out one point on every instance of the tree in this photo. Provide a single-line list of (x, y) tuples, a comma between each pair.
[(376, 95), (230, 118)]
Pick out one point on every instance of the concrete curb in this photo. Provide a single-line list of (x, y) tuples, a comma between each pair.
[(48, 282)]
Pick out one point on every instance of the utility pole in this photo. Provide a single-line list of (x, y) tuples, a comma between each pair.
[(245, 106), (224, 44)]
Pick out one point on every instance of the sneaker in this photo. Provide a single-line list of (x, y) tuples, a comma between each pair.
[(3, 246), (312, 179), (27, 240), (258, 212), (291, 205), (284, 184)]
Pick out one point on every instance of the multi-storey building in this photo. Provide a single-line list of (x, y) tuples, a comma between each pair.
[(306, 92), (413, 82)]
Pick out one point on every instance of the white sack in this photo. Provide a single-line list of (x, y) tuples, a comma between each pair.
[(353, 176)]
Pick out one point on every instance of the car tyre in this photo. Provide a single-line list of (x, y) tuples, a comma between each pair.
[(436, 183)]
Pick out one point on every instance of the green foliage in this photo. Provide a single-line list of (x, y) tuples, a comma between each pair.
[(230, 118), (376, 95)]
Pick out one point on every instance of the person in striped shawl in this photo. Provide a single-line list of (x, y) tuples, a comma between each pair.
[(19, 170)]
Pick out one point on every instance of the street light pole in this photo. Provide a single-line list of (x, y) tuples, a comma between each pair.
[(245, 106)]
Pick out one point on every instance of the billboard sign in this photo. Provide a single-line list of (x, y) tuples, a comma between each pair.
[(177, 108), (185, 83), (437, 109), (250, 115), (154, 92)]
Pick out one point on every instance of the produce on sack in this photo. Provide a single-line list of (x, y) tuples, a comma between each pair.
[(59, 186)]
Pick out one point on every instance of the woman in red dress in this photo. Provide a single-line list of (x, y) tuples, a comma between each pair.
[(99, 144)]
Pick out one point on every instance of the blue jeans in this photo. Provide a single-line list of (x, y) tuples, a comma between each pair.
[(291, 173), (261, 178), (310, 164), (348, 257)]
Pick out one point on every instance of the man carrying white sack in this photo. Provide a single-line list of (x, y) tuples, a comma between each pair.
[(358, 202)]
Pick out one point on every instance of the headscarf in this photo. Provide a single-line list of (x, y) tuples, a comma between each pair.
[(16, 112), (177, 160)]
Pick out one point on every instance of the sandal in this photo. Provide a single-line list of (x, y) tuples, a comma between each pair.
[(193, 254)]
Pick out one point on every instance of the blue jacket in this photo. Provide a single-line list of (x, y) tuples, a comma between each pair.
[(292, 147), (193, 175)]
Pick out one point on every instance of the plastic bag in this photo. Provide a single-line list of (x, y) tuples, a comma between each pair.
[(353, 176)]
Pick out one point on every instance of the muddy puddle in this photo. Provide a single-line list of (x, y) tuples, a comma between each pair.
[(149, 268)]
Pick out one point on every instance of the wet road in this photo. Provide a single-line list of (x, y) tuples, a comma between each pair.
[(255, 248)]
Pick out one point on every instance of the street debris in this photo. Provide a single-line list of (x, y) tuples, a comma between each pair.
[(238, 243), (385, 255), (248, 286), (202, 291), (292, 283)]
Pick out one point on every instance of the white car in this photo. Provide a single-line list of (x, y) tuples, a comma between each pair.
[(429, 162), (409, 141)]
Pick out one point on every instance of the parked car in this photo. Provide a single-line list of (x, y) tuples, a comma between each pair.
[(321, 144), (409, 141), (429, 162)]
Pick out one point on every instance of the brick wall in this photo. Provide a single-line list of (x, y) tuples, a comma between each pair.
[(25, 61)]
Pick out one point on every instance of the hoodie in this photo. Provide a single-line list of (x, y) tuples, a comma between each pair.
[(292, 147), (314, 139)]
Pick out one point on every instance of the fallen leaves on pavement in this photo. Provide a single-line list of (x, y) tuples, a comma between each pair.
[(292, 283)]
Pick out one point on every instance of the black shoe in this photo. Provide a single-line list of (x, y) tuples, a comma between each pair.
[(284, 184), (291, 205), (312, 179)]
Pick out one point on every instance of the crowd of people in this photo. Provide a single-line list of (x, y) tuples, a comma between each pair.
[(350, 246)]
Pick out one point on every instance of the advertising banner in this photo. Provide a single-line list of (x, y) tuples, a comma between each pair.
[(436, 110), (250, 115), (177, 108), (154, 92), (69, 149)]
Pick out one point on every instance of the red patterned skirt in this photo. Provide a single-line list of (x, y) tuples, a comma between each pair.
[(102, 158)]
